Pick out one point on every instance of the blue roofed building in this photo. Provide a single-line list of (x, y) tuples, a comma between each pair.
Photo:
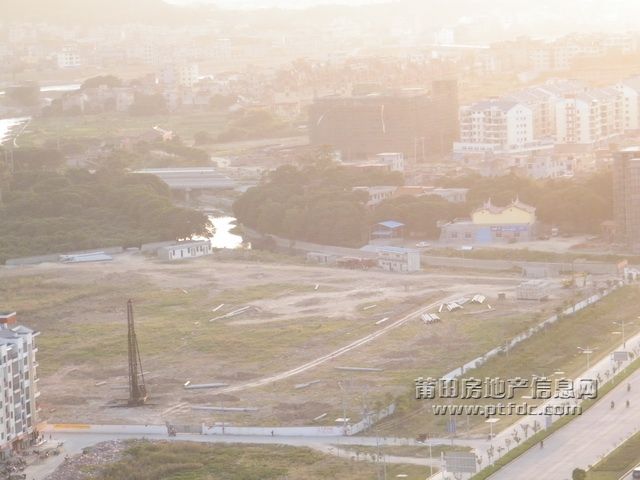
[(388, 229)]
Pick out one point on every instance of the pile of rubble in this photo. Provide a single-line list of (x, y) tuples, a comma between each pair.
[(82, 466)]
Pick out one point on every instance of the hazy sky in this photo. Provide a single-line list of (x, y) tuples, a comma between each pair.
[(274, 3)]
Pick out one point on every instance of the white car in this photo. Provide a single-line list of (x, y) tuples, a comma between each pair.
[(423, 244)]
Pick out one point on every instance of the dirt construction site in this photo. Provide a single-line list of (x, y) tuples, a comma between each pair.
[(252, 340)]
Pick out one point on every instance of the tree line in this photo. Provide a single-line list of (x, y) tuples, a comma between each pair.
[(315, 201), (46, 211)]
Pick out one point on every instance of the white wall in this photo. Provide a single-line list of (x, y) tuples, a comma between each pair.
[(630, 107), (519, 125)]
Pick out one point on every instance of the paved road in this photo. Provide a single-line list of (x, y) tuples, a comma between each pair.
[(584, 441)]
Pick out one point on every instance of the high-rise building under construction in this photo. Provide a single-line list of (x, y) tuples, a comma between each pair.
[(420, 124)]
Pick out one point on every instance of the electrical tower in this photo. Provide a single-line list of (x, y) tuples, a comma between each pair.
[(137, 388)]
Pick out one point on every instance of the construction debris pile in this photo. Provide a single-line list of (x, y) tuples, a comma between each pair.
[(457, 304), (85, 466)]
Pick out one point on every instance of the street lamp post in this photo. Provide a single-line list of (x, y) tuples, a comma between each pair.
[(622, 325), (587, 351), (491, 421)]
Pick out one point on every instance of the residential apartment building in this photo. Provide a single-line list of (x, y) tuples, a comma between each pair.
[(179, 75), (630, 91), (626, 198), (68, 58), (495, 126), (534, 119), (589, 117), (394, 160), (18, 385)]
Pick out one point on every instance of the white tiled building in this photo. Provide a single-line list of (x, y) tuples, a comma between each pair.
[(630, 90), (376, 194), (495, 125), (18, 385), (589, 117), (179, 74), (564, 112), (394, 160), (397, 259), (68, 58), (185, 250)]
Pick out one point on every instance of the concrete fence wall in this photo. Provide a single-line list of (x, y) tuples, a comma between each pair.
[(113, 429), (553, 268), (479, 361), (370, 420), (319, 431)]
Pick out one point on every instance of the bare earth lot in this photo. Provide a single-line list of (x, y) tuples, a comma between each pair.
[(80, 310)]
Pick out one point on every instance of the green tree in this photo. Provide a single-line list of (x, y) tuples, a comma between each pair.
[(578, 474)]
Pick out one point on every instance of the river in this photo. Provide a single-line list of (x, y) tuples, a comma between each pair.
[(7, 124), (222, 237)]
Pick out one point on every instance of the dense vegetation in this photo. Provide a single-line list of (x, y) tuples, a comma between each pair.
[(195, 461), (574, 205), (155, 154), (419, 214), (316, 202), (253, 124), (46, 211), (313, 202)]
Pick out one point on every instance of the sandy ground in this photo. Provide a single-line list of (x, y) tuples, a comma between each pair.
[(297, 313)]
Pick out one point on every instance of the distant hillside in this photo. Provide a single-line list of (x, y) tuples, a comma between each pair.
[(91, 12)]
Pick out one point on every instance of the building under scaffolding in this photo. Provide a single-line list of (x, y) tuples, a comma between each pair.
[(420, 124)]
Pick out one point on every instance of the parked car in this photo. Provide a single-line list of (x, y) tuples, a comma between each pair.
[(423, 244)]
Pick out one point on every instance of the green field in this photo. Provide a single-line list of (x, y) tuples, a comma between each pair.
[(618, 462), (189, 461), (114, 125)]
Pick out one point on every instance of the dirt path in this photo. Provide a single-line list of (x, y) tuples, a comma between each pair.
[(336, 353)]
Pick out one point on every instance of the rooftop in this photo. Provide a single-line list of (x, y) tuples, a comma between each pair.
[(391, 224), (397, 250), (194, 243)]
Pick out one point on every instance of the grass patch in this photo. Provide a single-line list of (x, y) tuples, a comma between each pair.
[(550, 350), (417, 451), (525, 254), (618, 462), (114, 125), (193, 461)]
